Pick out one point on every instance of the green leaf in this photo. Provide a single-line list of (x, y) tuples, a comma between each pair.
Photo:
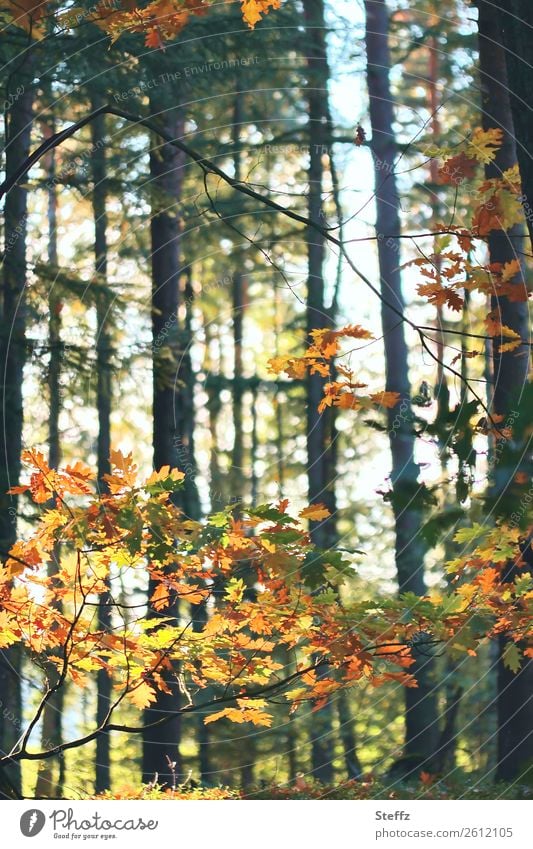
[(271, 514), (523, 584), (512, 657), (475, 532)]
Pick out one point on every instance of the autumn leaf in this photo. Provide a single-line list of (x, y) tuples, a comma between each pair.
[(141, 695), (9, 632), (484, 144), (457, 169), (253, 10), (27, 14), (235, 590), (441, 296), (248, 711), (160, 598), (164, 480), (385, 399), (315, 513), (512, 657)]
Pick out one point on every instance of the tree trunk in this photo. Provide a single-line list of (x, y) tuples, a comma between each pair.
[(320, 460), (510, 375), (347, 737), (238, 304), (12, 360), (103, 406), (515, 31), (187, 383), (421, 723), (51, 732), (161, 745)]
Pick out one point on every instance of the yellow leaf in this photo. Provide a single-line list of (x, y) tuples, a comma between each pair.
[(141, 695), (315, 513), (253, 10), (164, 473), (484, 144), (235, 590)]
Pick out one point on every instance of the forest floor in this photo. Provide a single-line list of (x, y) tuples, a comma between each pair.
[(368, 789)]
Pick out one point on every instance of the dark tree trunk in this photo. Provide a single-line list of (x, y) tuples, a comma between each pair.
[(238, 304), (103, 406), (320, 458), (421, 723), (187, 383), (12, 360), (51, 733), (516, 32), (161, 745), (347, 737), (510, 375)]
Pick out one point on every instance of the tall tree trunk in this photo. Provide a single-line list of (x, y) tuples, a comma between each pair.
[(347, 737), (421, 724), (510, 375), (515, 30), (51, 732), (238, 304), (320, 459), (103, 406), (187, 379), (12, 359), (161, 745)]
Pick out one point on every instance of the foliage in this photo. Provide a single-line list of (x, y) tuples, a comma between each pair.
[(422, 786), (160, 20), (274, 591)]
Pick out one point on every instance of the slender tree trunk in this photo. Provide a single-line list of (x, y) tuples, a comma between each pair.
[(320, 462), (12, 360), (421, 723), (510, 375), (238, 304), (516, 31), (51, 733), (103, 406), (161, 745), (347, 737), (187, 380)]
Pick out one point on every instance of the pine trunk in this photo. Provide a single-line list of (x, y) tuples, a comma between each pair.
[(515, 28), (320, 459), (12, 360), (161, 754), (421, 723), (510, 375), (51, 734), (103, 406)]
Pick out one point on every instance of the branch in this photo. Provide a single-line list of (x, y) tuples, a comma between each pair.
[(209, 167)]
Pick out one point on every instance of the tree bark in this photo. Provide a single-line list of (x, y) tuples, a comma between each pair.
[(12, 360), (161, 745), (421, 722), (516, 32), (320, 457), (103, 406), (51, 732), (510, 376)]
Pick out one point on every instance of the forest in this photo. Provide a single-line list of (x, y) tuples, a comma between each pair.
[(266, 525)]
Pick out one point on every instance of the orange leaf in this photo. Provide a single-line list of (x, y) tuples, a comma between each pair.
[(315, 513), (142, 695), (160, 597)]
